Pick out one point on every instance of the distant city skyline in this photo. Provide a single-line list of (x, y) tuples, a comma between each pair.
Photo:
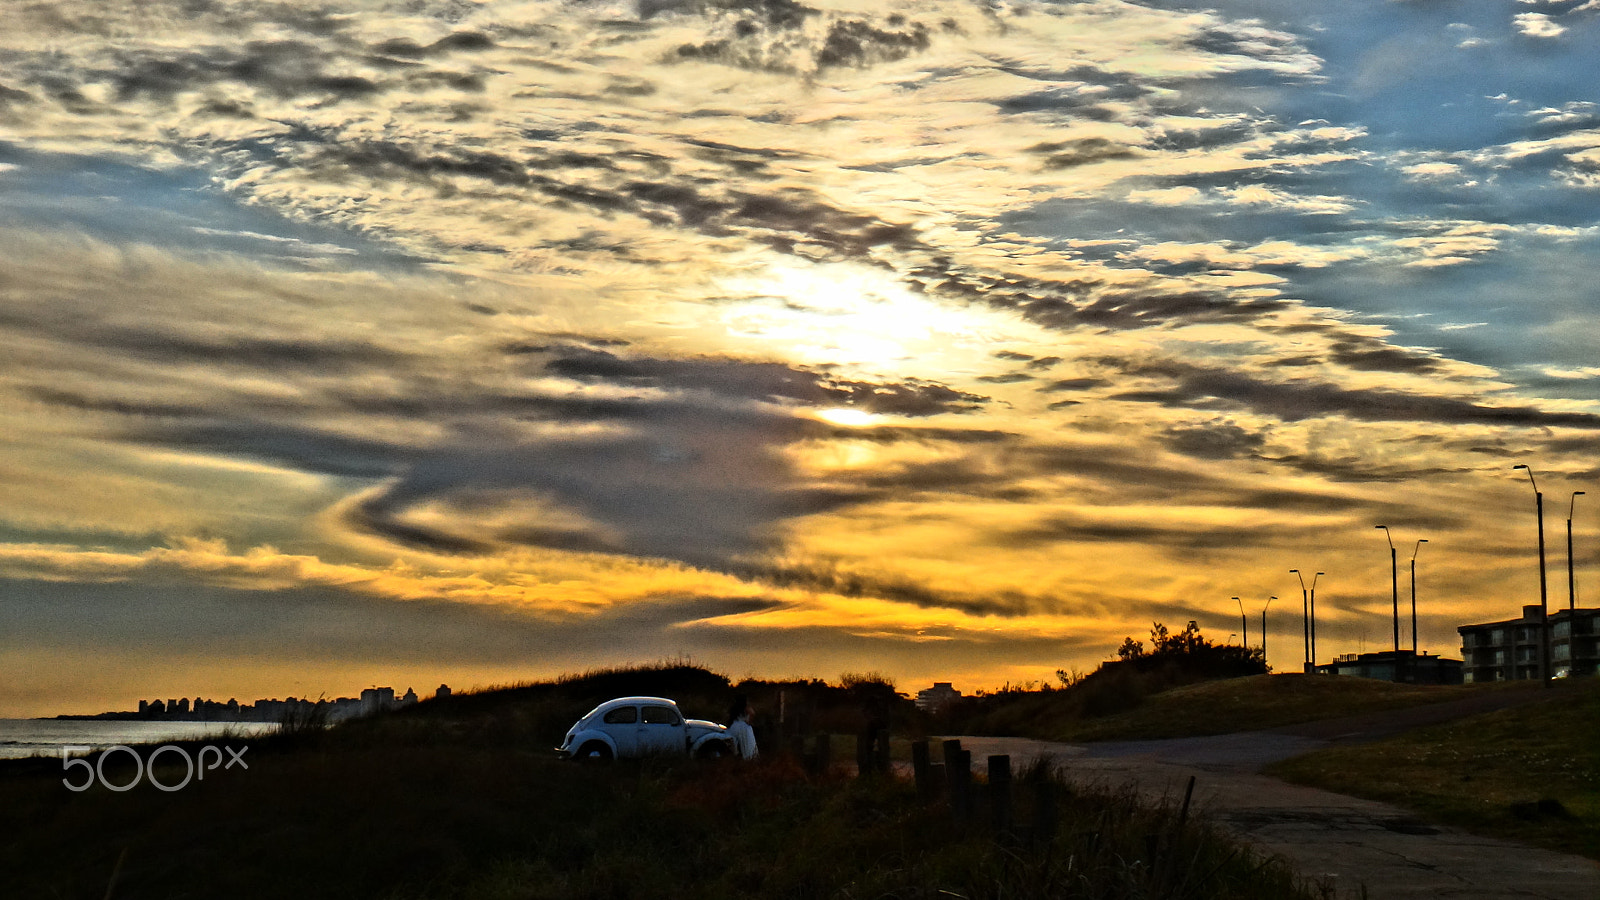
[(359, 341)]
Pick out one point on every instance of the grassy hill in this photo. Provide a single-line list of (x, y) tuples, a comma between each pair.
[(1250, 703), (463, 798), (1530, 773)]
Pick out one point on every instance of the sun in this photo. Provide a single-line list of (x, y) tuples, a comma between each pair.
[(844, 314), (851, 418)]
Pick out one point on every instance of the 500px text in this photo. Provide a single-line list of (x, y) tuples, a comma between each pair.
[(147, 768)]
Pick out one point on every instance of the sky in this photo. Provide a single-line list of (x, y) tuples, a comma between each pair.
[(402, 342)]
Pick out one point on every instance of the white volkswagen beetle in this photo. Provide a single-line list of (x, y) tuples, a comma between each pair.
[(637, 727)]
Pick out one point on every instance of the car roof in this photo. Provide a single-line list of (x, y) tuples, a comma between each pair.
[(629, 701)]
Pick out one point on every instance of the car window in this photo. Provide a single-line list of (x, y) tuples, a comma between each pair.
[(660, 715), (623, 715)]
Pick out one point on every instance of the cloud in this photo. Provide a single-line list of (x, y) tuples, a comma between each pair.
[(1538, 25), (1191, 386)]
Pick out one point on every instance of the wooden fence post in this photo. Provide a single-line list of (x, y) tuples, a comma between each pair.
[(920, 767), (958, 768), (1044, 811), (864, 762), (1000, 793)]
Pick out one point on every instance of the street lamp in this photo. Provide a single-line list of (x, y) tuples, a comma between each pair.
[(1305, 614), (1244, 631), (1394, 579), (1544, 597), (1264, 629), (1414, 595), (1572, 591), (1314, 617)]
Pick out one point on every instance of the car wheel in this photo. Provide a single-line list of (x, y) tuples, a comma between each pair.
[(594, 751), (712, 750)]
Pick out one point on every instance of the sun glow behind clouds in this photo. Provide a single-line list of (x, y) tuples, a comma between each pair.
[(847, 314), (853, 418)]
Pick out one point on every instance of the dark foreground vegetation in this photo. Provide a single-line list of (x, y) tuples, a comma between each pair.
[(463, 798)]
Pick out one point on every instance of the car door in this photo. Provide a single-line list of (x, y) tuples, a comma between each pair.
[(622, 726), (661, 731)]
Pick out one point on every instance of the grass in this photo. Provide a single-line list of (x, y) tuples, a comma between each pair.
[(1530, 774), (1223, 706), (463, 799)]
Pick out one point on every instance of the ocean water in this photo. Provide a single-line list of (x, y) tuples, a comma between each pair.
[(45, 737)]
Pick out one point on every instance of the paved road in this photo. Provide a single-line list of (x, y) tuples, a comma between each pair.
[(1346, 840)]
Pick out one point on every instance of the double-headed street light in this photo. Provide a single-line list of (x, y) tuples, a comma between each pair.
[(1308, 608), (1544, 596)]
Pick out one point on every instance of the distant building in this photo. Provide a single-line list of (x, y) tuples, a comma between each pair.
[(376, 700), (1509, 650), (937, 697), (1404, 667), (442, 692), (409, 698)]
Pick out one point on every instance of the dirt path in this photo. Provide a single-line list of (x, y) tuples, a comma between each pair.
[(1347, 841)]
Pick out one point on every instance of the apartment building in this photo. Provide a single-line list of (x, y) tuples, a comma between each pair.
[(1509, 650)]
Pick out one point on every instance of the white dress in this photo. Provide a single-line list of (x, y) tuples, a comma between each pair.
[(744, 738)]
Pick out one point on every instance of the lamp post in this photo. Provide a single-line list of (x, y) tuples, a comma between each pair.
[(1394, 579), (1314, 617), (1264, 629), (1544, 597), (1414, 595), (1305, 614), (1244, 631), (1572, 589)]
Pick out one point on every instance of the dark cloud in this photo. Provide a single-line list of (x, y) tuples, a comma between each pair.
[(1198, 387), (1075, 304), (693, 473), (1186, 140), (785, 14), (12, 96), (853, 42), (463, 41), (1086, 105), (213, 346), (1222, 440), (284, 68), (1081, 152), (763, 382), (1355, 470), (767, 39), (324, 624), (793, 220), (1124, 310), (835, 578), (1254, 43), (1074, 529), (1373, 355), (1073, 384)]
